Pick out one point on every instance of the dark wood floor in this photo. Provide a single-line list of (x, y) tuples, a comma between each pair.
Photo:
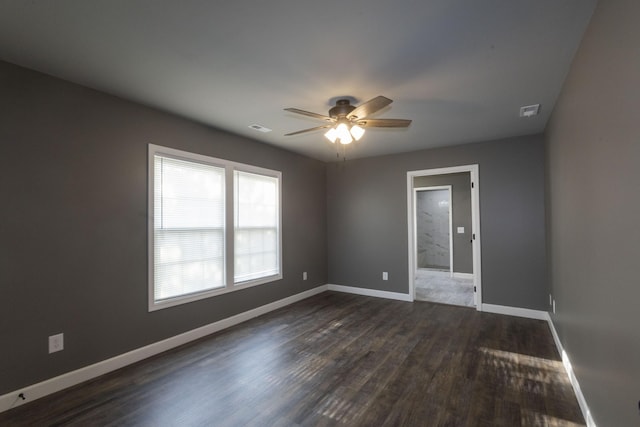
[(336, 359)]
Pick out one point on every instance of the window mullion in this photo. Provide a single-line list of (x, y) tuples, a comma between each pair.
[(229, 222)]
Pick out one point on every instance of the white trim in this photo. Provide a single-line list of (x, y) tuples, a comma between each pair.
[(55, 384), (582, 402), (515, 311), (474, 177), (450, 188), (475, 230), (370, 292)]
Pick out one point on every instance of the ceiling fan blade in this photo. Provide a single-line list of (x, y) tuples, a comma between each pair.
[(385, 123), (369, 107), (309, 130), (309, 113)]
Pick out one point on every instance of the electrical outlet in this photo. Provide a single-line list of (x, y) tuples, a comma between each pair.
[(385, 275), (304, 275), (56, 343)]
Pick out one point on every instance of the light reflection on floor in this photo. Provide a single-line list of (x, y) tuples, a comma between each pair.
[(533, 376), (523, 366), (532, 418)]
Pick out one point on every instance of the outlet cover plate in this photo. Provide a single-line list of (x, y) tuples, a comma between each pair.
[(56, 343)]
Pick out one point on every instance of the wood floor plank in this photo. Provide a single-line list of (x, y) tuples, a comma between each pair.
[(335, 360)]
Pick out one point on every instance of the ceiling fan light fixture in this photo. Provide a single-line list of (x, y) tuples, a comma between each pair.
[(357, 132), (342, 130), (346, 140), (331, 135), (350, 120)]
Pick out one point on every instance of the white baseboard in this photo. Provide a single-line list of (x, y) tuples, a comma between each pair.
[(370, 292), (515, 311), (52, 385), (462, 275), (584, 407)]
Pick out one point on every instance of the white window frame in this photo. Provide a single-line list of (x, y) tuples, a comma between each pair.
[(230, 167)]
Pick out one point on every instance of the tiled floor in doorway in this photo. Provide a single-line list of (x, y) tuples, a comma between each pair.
[(439, 286)]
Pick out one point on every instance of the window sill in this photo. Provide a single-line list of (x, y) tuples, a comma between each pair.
[(172, 302)]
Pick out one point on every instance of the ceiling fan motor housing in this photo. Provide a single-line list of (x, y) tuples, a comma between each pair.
[(342, 108)]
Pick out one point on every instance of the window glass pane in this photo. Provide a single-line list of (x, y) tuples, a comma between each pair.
[(190, 194), (188, 227), (256, 233)]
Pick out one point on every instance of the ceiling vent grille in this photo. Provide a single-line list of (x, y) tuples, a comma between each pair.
[(260, 128), (530, 110)]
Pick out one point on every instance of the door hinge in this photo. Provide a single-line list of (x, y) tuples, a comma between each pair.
[(472, 184), (474, 289)]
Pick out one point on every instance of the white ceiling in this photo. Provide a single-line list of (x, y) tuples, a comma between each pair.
[(460, 69)]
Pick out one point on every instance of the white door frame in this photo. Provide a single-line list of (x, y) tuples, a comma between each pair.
[(415, 229), (475, 225)]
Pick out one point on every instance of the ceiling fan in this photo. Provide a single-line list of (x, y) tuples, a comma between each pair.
[(346, 121)]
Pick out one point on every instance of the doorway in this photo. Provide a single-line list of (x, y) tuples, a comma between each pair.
[(444, 238)]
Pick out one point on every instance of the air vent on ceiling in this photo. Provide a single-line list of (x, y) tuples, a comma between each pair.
[(529, 110), (260, 128)]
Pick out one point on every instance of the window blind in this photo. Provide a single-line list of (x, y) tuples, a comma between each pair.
[(189, 227), (256, 226)]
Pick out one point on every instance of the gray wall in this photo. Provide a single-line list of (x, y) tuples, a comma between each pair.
[(73, 240), (593, 155), (367, 218), (461, 215)]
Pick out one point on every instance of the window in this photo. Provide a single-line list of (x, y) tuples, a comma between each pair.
[(192, 232), (256, 228), (188, 227)]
